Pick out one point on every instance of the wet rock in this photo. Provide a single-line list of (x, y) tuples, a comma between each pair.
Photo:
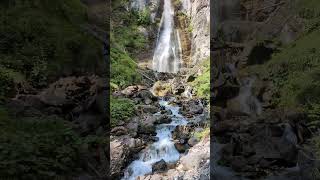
[(163, 119), (149, 130), (182, 132), (181, 148), (192, 107), (159, 166)]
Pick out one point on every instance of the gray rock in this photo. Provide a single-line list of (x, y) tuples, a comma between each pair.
[(159, 166)]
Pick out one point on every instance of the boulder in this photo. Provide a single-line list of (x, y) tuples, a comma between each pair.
[(119, 154), (159, 166), (132, 90), (162, 119), (146, 109), (192, 107), (118, 131), (161, 89), (181, 148), (182, 132), (193, 141)]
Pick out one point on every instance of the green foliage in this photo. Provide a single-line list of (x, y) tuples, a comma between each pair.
[(202, 83), (125, 28), (123, 69), (202, 134), (36, 147), (295, 74), (144, 17), (8, 79), (190, 28), (121, 109), (42, 39)]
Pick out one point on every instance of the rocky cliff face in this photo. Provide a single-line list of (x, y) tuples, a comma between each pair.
[(200, 27)]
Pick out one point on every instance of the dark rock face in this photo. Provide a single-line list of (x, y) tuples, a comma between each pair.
[(159, 166), (255, 145), (181, 147), (163, 119), (191, 108), (78, 99)]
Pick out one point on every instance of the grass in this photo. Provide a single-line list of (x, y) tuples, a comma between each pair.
[(202, 134)]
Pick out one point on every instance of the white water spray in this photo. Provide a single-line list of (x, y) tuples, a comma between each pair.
[(167, 55), (162, 149)]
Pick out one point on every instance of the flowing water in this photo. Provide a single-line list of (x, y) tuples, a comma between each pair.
[(167, 55), (162, 149)]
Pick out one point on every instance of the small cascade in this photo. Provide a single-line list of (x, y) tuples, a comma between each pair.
[(167, 55), (162, 149), (249, 103)]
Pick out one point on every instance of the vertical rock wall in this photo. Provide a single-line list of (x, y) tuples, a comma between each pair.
[(200, 26)]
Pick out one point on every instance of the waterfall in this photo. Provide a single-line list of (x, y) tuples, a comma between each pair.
[(164, 148), (167, 54)]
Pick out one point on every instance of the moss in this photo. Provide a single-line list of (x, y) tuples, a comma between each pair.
[(121, 109)]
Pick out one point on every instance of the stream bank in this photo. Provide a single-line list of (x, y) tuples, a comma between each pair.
[(165, 137)]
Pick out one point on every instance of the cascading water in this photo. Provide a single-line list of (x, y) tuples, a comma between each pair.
[(162, 149), (167, 54)]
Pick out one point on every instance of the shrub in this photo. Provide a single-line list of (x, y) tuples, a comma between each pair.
[(123, 69), (144, 17), (121, 109), (35, 148), (202, 83)]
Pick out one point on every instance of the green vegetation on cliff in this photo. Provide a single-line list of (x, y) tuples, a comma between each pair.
[(202, 82), (43, 39), (40, 41), (295, 69), (121, 110)]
